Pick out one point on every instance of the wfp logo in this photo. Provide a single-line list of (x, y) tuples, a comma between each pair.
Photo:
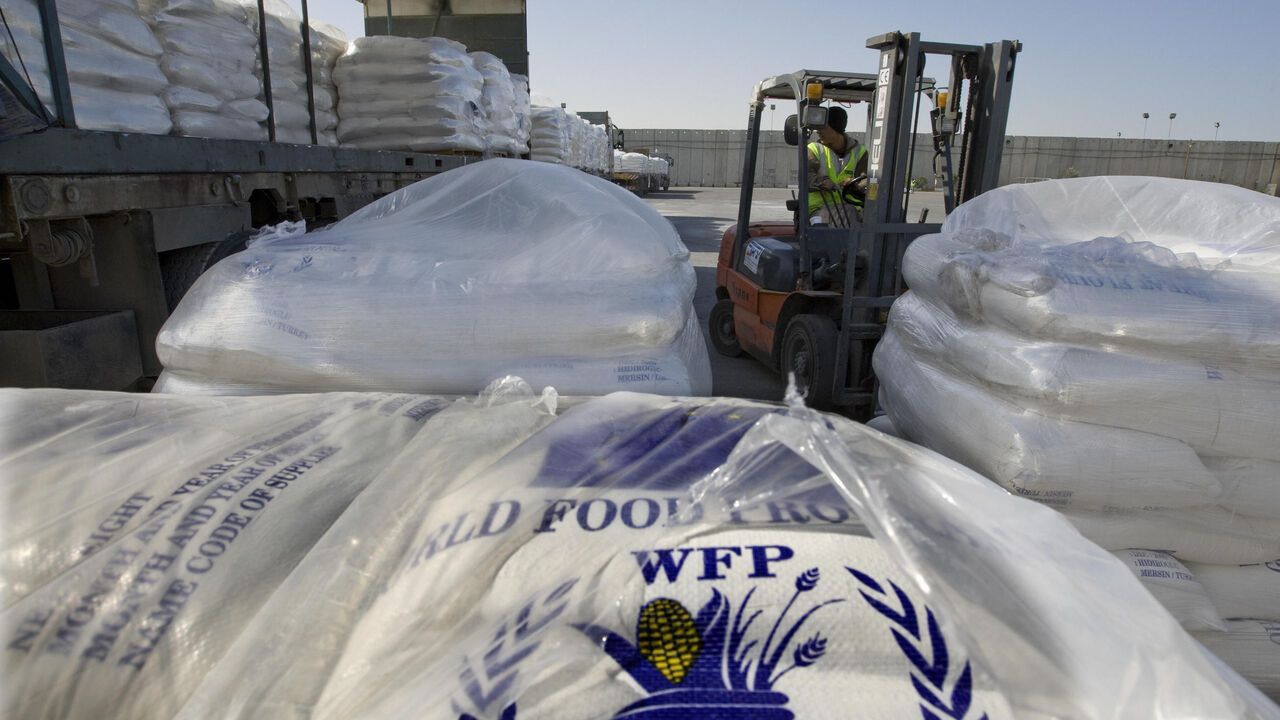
[(702, 666)]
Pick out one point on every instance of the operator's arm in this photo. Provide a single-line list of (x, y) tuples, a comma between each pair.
[(860, 169), (817, 178)]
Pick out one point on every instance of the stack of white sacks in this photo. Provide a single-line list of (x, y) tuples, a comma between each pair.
[(565, 138), (289, 76), (551, 135), (370, 555), (414, 94), (523, 109), (193, 67), (112, 57), (639, 163), (211, 61), (498, 105), (1110, 347), (498, 267), (595, 151)]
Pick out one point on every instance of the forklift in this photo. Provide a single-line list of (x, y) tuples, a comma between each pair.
[(811, 300)]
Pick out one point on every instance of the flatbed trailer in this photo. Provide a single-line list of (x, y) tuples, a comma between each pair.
[(102, 232)]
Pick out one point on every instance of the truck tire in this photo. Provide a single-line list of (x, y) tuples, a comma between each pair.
[(180, 268), (720, 328), (809, 352)]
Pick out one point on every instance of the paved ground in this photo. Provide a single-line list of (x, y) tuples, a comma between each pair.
[(701, 216)]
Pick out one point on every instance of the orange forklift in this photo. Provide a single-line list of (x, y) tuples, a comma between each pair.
[(811, 300)]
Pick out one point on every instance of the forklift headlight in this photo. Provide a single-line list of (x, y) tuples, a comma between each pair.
[(813, 117)]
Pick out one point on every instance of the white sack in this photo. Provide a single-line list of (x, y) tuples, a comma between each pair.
[(1066, 464), (1213, 408), (1200, 534), (1251, 648), (1248, 485), (111, 59), (495, 268), (143, 532), (1171, 583), (1242, 591), (1151, 264), (524, 571)]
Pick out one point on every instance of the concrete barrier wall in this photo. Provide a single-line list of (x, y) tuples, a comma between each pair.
[(713, 158)]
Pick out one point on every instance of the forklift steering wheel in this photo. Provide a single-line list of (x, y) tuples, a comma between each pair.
[(851, 194)]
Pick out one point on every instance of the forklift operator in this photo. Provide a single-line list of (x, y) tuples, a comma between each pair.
[(837, 173)]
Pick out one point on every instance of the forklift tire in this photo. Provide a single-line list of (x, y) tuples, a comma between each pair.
[(720, 327), (809, 352)]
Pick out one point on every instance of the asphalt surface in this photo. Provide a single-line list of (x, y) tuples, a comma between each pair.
[(701, 215)]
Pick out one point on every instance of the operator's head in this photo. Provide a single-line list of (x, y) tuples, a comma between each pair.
[(837, 118), (837, 121)]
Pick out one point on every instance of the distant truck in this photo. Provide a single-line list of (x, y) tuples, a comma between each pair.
[(641, 172)]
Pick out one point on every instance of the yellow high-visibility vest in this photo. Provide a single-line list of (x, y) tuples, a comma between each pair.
[(827, 159)]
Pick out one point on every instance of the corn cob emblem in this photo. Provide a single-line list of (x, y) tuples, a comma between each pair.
[(668, 638)]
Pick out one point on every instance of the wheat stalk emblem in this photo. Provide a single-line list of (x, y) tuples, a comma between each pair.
[(918, 645)]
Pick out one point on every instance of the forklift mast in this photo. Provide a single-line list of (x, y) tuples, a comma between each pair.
[(988, 70), (983, 75)]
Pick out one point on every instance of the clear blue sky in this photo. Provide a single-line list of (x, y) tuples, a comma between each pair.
[(1088, 68)]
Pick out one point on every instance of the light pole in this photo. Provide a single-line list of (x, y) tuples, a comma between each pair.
[(1215, 131), (1145, 117), (1171, 117), (772, 107)]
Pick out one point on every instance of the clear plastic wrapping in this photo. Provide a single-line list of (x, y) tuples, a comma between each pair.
[(1251, 648), (515, 554), (1114, 333), (1214, 408), (498, 103), (495, 268), (1167, 267), (1070, 465)]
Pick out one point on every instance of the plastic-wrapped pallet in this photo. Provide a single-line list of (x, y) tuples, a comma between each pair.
[(499, 267), (498, 104), (646, 557), (211, 61), (550, 136), (142, 533), (1115, 341), (522, 109), (631, 556), (416, 94), (112, 58)]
